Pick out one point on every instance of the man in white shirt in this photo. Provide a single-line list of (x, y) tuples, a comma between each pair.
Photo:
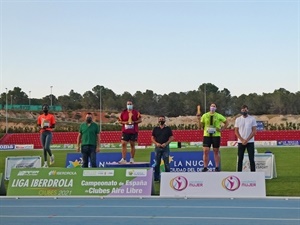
[(245, 130)]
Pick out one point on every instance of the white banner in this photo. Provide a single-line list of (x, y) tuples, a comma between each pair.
[(256, 143), (213, 184), (21, 162), (264, 162)]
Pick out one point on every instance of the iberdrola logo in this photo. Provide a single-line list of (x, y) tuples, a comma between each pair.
[(52, 173)]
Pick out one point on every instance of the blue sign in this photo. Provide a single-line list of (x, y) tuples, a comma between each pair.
[(75, 159), (260, 125), (288, 143), (7, 147), (186, 161)]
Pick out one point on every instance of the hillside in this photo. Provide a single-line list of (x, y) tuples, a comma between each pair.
[(22, 118)]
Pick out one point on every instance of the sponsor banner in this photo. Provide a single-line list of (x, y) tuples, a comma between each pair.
[(213, 185), (186, 161), (63, 146), (265, 143), (25, 147), (81, 182), (264, 162), (110, 145), (75, 159), (173, 145), (196, 144), (7, 147), (21, 162), (288, 143), (257, 143), (232, 143)]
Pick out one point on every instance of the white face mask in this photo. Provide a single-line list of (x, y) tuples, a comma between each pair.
[(129, 107)]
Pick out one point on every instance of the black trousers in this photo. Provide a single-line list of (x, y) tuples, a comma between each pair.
[(241, 152)]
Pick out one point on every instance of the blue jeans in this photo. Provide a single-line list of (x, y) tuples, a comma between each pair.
[(88, 152), (46, 139), (161, 153)]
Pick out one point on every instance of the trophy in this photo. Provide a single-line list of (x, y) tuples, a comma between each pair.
[(198, 114), (198, 110), (129, 117)]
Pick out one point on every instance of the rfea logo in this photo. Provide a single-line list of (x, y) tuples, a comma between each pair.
[(179, 183), (231, 183)]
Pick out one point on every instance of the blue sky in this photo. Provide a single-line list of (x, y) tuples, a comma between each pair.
[(164, 46)]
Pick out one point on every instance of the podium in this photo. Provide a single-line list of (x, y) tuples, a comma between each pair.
[(128, 165)]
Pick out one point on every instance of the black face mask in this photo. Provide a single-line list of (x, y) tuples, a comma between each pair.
[(161, 122), (89, 120), (45, 111), (245, 113)]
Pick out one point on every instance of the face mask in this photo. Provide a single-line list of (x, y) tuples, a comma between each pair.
[(161, 122), (129, 107), (212, 109), (45, 111), (89, 120), (245, 113)]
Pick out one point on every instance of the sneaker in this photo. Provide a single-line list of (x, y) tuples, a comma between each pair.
[(122, 161), (204, 169), (131, 160), (45, 165), (51, 159), (217, 169)]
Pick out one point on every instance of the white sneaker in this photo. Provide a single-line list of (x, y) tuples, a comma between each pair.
[(131, 160), (45, 165), (51, 159), (122, 161)]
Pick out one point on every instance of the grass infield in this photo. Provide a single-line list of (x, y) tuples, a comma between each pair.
[(287, 160)]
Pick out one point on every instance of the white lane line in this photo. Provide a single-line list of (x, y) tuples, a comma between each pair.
[(155, 217), (143, 206)]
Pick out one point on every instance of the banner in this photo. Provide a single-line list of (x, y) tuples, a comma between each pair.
[(264, 162), (21, 162), (213, 185), (186, 161), (24, 147), (7, 147), (288, 143), (81, 182), (75, 159), (63, 146)]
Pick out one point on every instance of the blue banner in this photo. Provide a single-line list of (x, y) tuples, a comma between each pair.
[(186, 161), (7, 147), (288, 143), (75, 159)]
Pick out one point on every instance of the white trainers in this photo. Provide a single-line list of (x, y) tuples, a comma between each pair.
[(131, 160), (122, 161), (52, 159), (45, 165)]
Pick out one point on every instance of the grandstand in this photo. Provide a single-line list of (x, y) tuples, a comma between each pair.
[(144, 138)]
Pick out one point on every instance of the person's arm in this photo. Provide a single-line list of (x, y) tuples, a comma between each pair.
[(252, 134), (171, 138), (78, 142), (139, 120), (237, 134), (225, 125), (53, 122), (98, 142), (153, 139)]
